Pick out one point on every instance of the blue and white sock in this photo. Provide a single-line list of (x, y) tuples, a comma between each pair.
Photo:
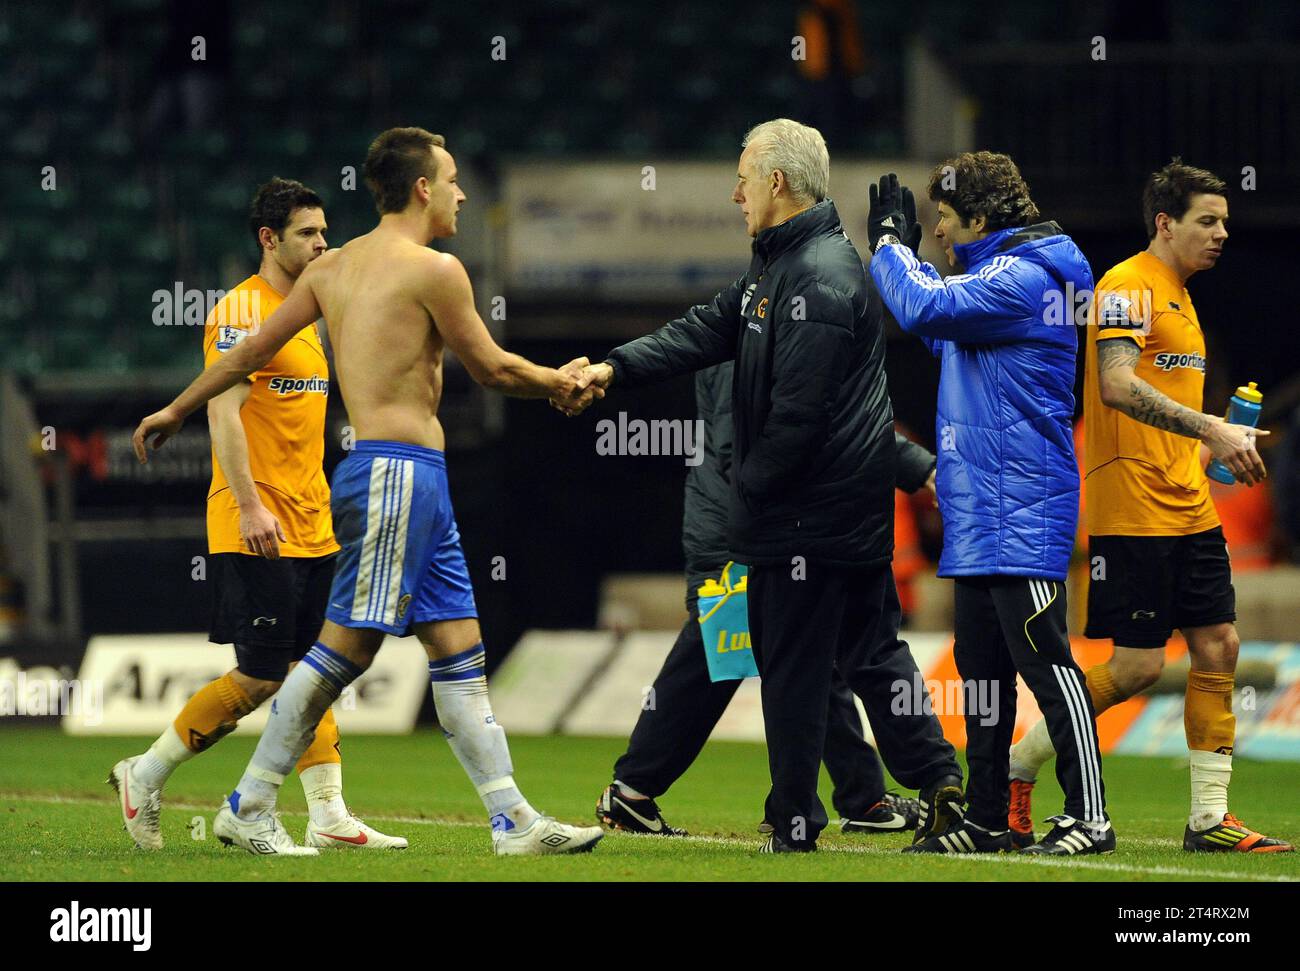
[(461, 696), (299, 705)]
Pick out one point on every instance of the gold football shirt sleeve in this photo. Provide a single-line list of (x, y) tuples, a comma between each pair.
[(1123, 309)]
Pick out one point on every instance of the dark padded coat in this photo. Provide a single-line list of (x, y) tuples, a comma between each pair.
[(813, 459), (708, 485)]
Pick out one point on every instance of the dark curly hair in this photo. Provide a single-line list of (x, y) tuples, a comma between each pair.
[(1170, 190), (274, 204), (984, 184)]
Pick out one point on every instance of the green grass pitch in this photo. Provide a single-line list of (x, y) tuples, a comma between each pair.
[(59, 821)]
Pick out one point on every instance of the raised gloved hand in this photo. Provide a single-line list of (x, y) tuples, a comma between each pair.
[(892, 213)]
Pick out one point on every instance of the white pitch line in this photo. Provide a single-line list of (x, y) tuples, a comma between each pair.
[(1170, 871), (1015, 859), (203, 807), (753, 844)]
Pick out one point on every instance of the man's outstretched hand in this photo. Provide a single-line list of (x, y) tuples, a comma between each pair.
[(581, 383), (601, 375), (1234, 446), (153, 431), (892, 213)]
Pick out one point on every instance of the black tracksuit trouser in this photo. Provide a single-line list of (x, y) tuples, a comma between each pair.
[(804, 624), (670, 733), (687, 705), (1006, 625)]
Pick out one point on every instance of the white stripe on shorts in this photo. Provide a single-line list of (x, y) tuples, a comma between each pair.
[(405, 476), (383, 550), (374, 520)]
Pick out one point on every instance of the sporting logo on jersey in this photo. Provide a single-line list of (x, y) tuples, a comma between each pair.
[(286, 386), (1166, 361)]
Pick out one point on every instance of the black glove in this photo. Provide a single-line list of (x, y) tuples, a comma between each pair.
[(892, 213), (912, 233)]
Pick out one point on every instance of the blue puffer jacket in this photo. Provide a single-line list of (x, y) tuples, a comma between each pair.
[(1004, 330)]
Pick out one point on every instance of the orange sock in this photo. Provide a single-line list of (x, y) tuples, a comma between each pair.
[(1207, 711), (1101, 686), (325, 746), (212, 713)]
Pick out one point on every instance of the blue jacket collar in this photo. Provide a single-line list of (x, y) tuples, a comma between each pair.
[(971, 255)]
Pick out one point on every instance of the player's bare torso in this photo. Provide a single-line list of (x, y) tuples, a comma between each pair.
[(387, 350)]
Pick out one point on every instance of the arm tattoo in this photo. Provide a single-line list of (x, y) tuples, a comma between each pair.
[(1143, 402), (1149, 406), (1117, 352)]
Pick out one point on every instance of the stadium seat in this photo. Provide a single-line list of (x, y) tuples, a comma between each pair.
[(198, 147), (31, 143), (252, 41), (72, 348), (280, 146), (70, 248), (110, 143), (152, 249), (221, 198)]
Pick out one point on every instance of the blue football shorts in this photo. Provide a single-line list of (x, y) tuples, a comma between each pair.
[(401, 562)]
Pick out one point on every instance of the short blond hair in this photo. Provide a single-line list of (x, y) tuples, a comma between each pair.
[(798, 151)]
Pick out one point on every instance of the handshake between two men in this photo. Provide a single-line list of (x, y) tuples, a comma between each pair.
[(586, 382), (892, 217)]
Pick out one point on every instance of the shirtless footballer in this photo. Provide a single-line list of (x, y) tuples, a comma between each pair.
[(391, 305)]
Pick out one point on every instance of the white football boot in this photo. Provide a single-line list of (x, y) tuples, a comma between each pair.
[(141, 807), (545, 836), (263, 835), (352, 834)]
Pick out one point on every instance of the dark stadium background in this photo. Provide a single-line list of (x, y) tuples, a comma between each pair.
[(151, 192)]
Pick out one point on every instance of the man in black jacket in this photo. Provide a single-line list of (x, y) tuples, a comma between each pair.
[(669, 736), (812, 484)]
